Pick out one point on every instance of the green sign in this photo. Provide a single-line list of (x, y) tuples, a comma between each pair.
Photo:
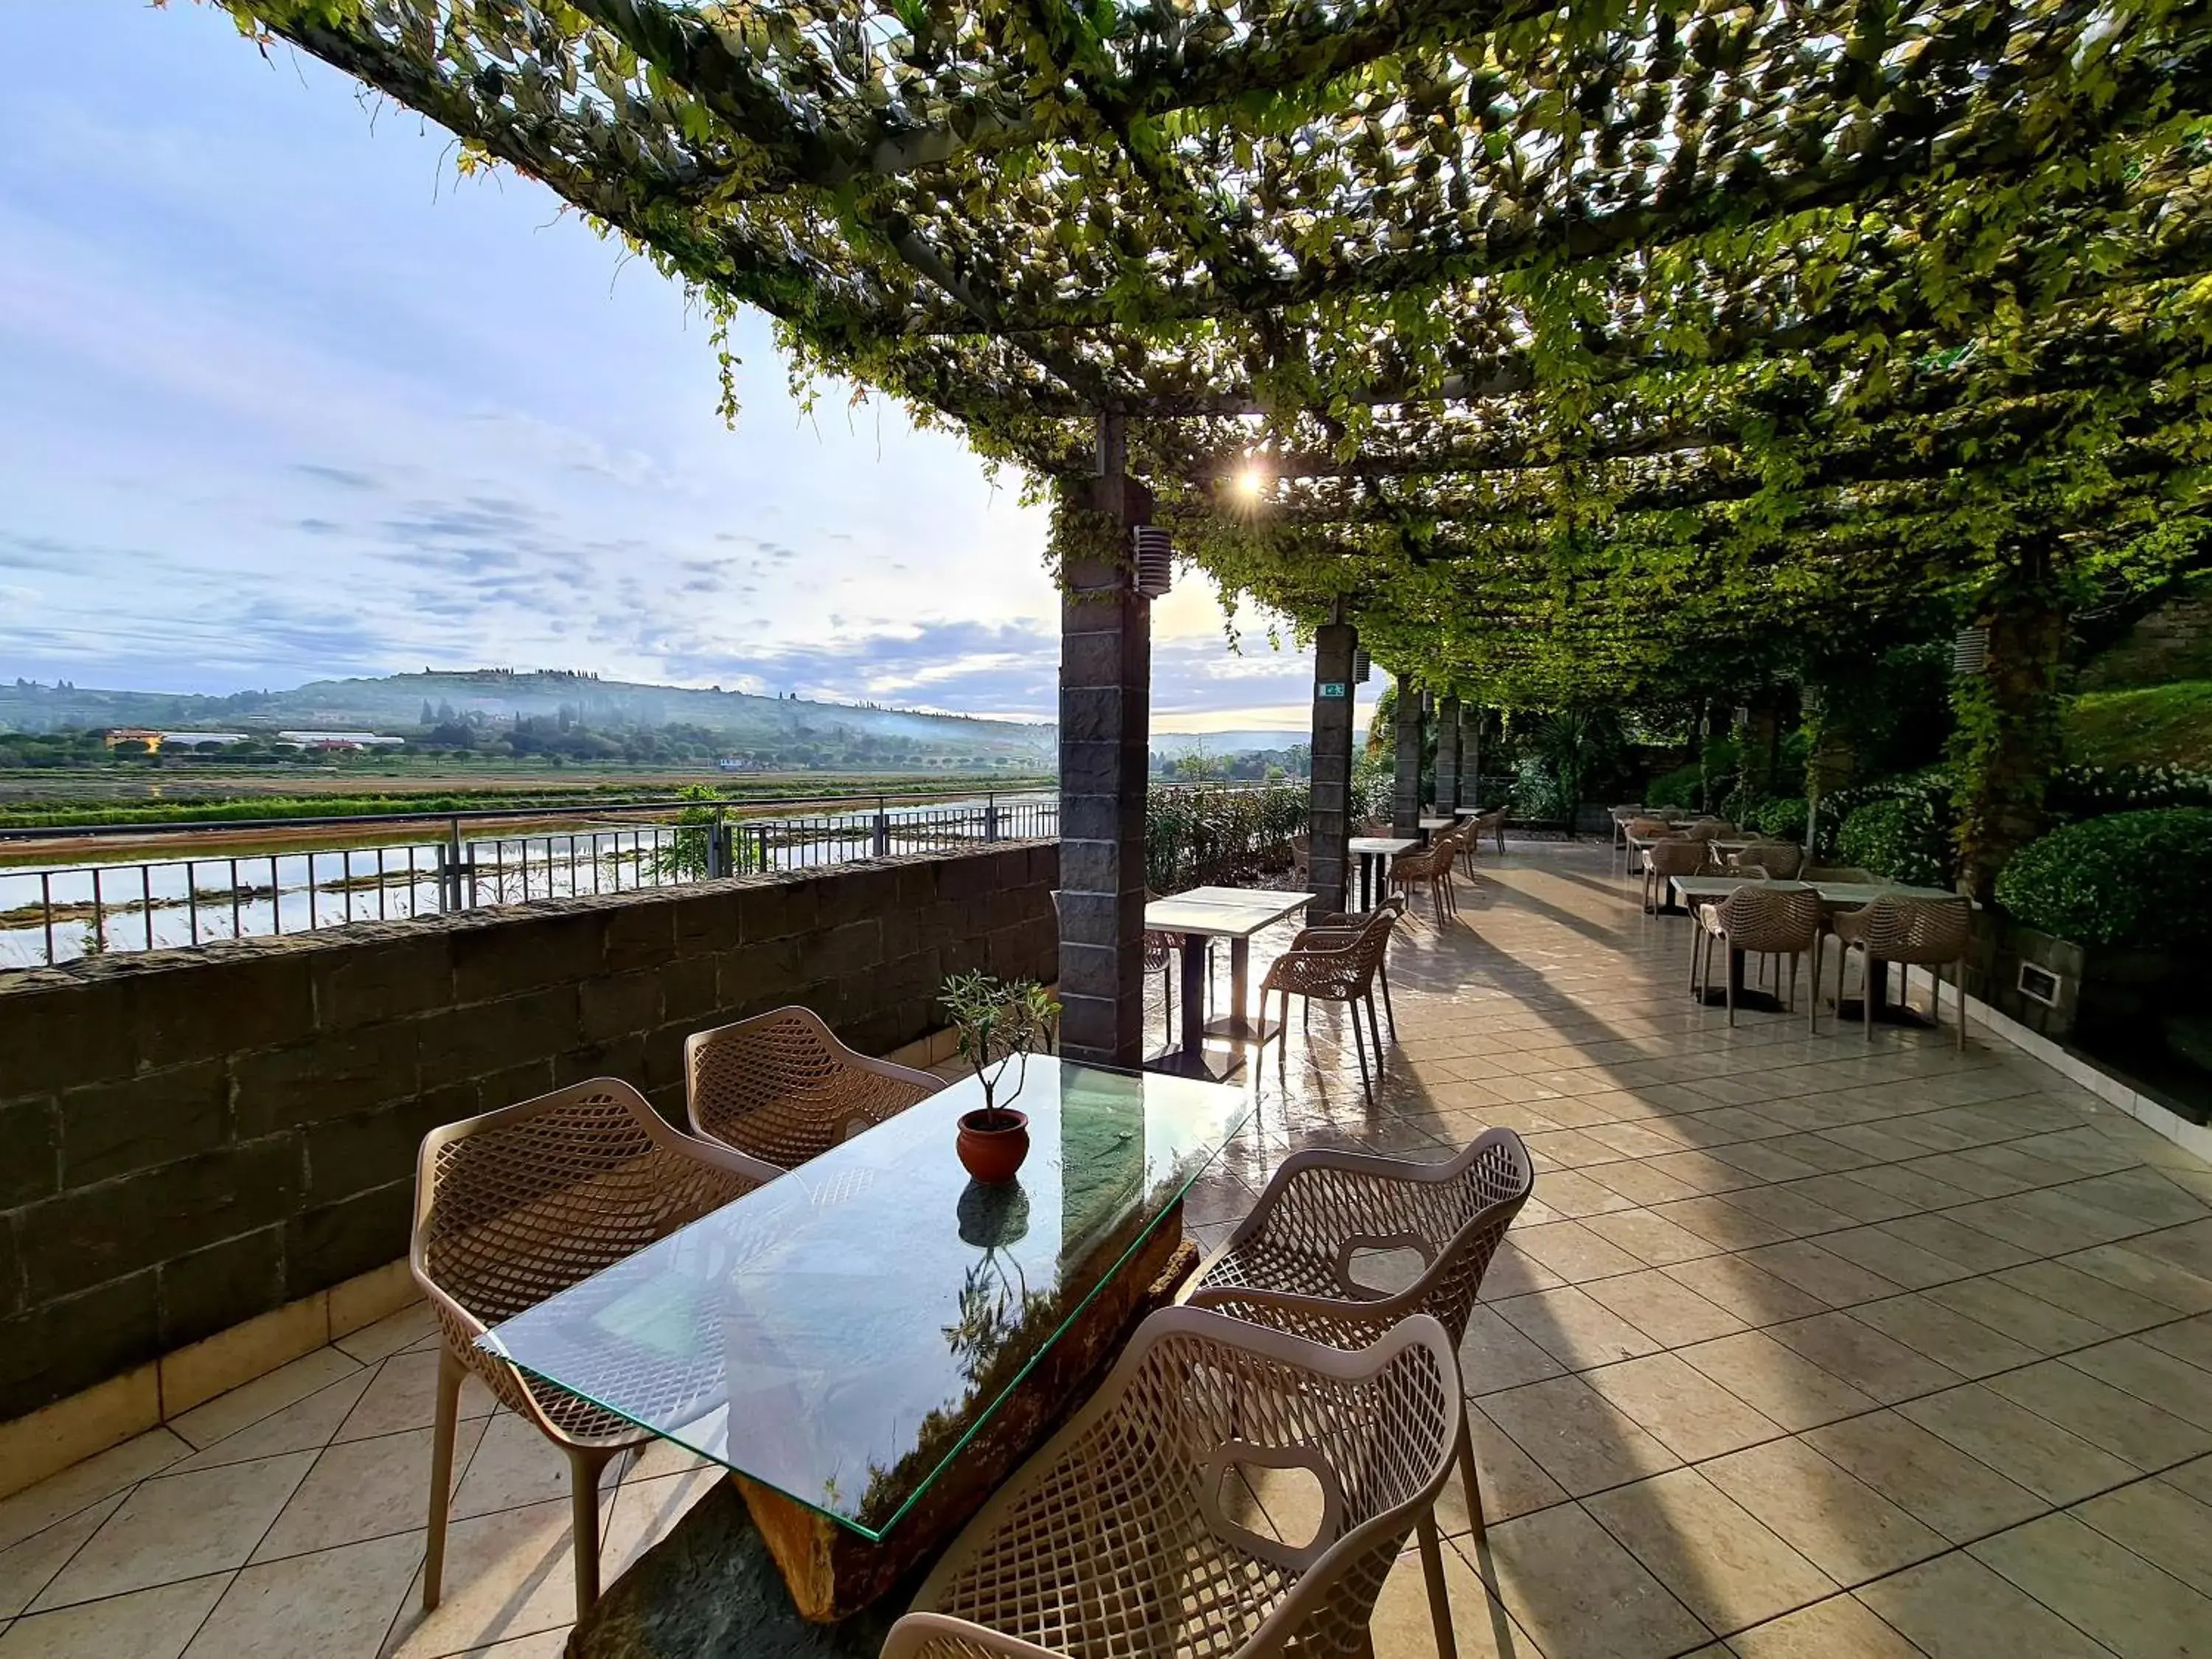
[(1332, 688)]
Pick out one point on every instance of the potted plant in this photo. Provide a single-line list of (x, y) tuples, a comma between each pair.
[(998, 1021)]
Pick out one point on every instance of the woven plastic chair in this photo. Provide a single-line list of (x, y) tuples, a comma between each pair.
[(1346, 924), (1838, 873), (1123, 1538), (1432, 866), (1679, 856), (1492, 822), (781, 1088), (1336, 965), (1463, 839), (518, 1204), (1773, 919), (1709, 829), (1930, 932), (1288, 1264), (1301, 858), (1781, 859)]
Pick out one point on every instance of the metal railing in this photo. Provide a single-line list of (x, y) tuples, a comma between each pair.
[(437, 864)]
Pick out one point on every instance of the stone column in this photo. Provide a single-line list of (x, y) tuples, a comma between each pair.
[(1470, 744), (1447, 754), (1329, 817), (1105, 707), (1408, 727)]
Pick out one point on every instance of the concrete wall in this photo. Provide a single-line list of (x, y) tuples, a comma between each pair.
[(189, 1138)]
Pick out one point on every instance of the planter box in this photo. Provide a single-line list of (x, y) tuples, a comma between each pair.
[(2144, 1014)]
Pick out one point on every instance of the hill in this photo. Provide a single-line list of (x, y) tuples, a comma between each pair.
[(768, 728)]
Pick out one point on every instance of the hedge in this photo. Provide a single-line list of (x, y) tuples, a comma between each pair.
[(1904, 838), (2137, 880)]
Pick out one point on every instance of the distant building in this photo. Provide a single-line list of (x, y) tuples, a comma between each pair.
[(338, 742), (117, 734)]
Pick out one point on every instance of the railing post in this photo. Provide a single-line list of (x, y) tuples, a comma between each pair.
[(449, 868), (717, 855), (990, 818), (882, 846)]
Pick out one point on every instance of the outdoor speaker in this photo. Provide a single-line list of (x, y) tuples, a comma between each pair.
[(1970, 650), (1361, 666), (1155, 552)]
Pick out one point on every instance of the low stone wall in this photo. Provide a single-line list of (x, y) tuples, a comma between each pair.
[(189, 1138)]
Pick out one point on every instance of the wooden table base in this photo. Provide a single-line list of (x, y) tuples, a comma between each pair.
[(804, 1582)]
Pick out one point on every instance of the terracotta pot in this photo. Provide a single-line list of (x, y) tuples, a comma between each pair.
[(993, 1141)]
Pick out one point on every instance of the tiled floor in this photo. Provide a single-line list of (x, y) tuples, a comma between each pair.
[(1809, 1349)]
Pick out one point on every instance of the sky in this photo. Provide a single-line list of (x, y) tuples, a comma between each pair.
[(283, 398)]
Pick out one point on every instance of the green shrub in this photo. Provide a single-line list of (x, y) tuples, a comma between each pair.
[(1676, 788), (1931, 788), (1904, 838), (1781, 815), (2142, 880), (2089, 792), (1202, 835)]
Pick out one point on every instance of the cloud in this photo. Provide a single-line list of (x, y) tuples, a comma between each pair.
[(281, 406), (346, 478)]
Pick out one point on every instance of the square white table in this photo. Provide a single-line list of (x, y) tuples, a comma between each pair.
[(1372, 852), (1235, 913)]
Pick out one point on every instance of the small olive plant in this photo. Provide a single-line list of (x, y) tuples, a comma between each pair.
[(998, 1020)]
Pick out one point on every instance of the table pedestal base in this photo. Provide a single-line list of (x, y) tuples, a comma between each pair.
[(1746, 1002), (1202, 1065), (833, 1572), (1851, 1010)]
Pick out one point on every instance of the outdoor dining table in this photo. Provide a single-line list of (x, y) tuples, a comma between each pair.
[(873, 1343), (1430, 826), (1834, 895), (1373, 853), (1200, 913)]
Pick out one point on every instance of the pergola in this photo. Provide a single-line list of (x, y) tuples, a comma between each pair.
[(1554, 354)]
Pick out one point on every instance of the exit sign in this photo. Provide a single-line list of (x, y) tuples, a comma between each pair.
[(1332, 688)]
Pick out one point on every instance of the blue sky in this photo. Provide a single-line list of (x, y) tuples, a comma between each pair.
[(282, 398)]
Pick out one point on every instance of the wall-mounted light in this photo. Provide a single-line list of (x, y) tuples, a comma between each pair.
[(1155, 558)]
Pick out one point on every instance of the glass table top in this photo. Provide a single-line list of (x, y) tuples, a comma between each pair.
[(842, 1332)]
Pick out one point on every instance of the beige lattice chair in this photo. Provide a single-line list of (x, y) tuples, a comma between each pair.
[(1662, 860), (1781, 859), (1290, 1262), (1430, 866), (1838, 873), (1346, 925), (1336, 964), (781, 1088), (1710, 828), (1928, 933), (1774, 918), (1125, 1537), (516, 1205), (1492, 823)]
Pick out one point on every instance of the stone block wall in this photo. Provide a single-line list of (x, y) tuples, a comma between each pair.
[(189, 1138)]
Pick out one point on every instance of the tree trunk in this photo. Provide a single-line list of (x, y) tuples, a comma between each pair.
[(2007, 741)]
